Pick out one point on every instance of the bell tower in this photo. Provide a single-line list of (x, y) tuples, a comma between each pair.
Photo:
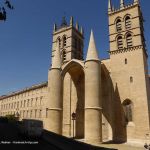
[(129, 71), (70, 40), (126, 26)]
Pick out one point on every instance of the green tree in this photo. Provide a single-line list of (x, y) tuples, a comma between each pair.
[(3, 9)]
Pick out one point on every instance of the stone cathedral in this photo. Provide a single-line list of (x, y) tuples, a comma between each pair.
[(110, 98)]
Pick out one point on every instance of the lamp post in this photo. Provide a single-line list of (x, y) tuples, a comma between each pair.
[(73, 119)]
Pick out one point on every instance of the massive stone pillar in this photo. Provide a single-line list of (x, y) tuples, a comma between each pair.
[(55, 95), (93, 110)]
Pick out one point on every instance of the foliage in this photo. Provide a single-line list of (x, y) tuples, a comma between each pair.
[(11, 117), (3, 14)]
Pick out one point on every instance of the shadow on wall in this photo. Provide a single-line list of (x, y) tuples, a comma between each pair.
[(112, 110), (65, 143)]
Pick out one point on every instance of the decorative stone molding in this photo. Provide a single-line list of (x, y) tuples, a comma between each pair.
[(126, 50)]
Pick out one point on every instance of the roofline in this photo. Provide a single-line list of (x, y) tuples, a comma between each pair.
[(33, 87)]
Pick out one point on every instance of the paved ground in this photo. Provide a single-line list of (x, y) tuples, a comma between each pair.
[(122, 146), (125, 146)]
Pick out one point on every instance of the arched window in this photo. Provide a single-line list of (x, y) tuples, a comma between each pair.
[(64, 41), (128, 110), (128, 22), (118, 25), (129, 40), (59, 42), (120, 42)]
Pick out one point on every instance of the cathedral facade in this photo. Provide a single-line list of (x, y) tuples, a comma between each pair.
[(93, 99)]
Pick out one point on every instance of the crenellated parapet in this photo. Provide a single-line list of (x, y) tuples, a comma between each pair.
[(65, 25), (112, 9)]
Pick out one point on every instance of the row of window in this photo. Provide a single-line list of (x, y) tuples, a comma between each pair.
[(30, 93), (24, 103), (127, 24), (37, 113), (129, 41)]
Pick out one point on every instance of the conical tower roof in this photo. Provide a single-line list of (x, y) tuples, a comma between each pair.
[(92, 50), (109, 6), (57, 59)]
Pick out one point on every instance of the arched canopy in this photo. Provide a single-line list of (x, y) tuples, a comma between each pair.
[(73, 66)]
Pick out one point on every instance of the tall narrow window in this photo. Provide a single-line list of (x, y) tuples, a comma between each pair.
[(128, 110), (59, 42), (131, 79), (129, 40), (46, 112), (118, 25), (125, 61), (31, 102), (75, 43), (64, 41), (31, 114), (24, 103), (28, 103), (120, 42), (35, 113), (27, 114), (40, 112), (64, 55), (128, 22)]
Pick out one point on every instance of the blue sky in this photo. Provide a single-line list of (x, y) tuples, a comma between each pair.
[(26, 36)]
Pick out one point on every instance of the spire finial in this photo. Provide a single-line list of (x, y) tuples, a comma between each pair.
[(57, 59), (71, 21), (121, 3), (109, 6), (136, 1), (55, 27), (82, 31), (92, 50), (64, 22), (77, 26)]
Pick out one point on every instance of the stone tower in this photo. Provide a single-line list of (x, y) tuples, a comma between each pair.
[(54, 102), (67, 45), (70, 40), (129, 71), (93, 100)]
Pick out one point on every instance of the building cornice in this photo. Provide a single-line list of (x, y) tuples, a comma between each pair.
[(127, 50), (44, 84)]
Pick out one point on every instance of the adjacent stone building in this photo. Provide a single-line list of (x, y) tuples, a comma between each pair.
[(110, 97)]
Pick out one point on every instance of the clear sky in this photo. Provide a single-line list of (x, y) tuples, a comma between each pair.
[(26, 36)]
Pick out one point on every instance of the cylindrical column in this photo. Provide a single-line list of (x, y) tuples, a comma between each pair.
[(54, 121), (93, 110)]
